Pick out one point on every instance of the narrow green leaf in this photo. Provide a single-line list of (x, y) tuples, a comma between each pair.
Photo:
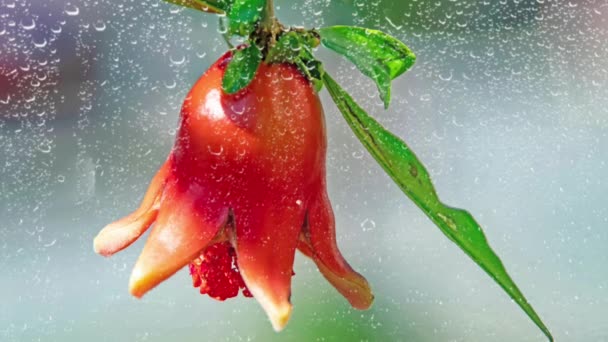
[(242, 69), (243, 16), (210, 6), (398, 160), (376, 54)]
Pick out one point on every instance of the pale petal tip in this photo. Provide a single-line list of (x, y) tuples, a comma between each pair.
[(138, 286), (101, 245), (278, 311), (279, 317)]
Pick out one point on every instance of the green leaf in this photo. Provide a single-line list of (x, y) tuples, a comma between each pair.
[(242, 69), (210, 6), (376, 54), (402, 165), (244, 14)]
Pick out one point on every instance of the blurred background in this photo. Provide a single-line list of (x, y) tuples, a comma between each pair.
[(507, 106)]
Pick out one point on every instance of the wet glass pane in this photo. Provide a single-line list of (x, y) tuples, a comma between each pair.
[(507, 106)]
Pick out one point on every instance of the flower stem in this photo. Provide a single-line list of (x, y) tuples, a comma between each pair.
[(269, 21)]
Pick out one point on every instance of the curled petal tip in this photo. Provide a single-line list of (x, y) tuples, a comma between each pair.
[(98, 246), (318, 241), (120, 234)]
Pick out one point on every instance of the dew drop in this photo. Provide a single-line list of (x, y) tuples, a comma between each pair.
[(28, 25), (99, 26), (41, 44), (177, 61), (72, 10), (215, 152), (368, 225)]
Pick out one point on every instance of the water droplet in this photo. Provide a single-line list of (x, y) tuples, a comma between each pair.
[(99, 26), (72, 10), (177, 61), (44, 146), (28, 24), (50, 244), (368, 225), (170, 85), (446, 78), (61, 178), (41, 44), (215, 152), (238, 108), (357, 154)]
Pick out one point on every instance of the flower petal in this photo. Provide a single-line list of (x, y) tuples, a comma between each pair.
[(318, 241), (120, 234), (186, 223), (267, 236)]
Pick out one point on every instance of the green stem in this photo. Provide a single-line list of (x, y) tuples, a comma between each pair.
[(269, 21), (225, 34)]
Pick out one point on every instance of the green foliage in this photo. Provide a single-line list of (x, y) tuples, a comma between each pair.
[(243, 16), (376, 54), (296, 48), (211, 6), (242, 69), (402, 165)]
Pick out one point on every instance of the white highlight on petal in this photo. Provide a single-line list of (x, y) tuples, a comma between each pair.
[(213, 106), (168, 239)]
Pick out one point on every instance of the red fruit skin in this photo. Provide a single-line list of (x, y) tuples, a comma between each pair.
[(260, 145), (247, 168)]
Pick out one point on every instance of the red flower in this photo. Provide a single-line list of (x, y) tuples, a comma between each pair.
[(243, 187)]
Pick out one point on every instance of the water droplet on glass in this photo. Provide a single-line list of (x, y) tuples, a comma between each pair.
[(28, 24), (99, 26), (357, 154), (41, 44), (72, 10), (177, 61), (170, 85), (368, 225), (44, 146)]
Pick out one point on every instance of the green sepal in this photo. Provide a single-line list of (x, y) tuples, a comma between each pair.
[(296, 48), (241, 69), (376, 54), (406, 170)]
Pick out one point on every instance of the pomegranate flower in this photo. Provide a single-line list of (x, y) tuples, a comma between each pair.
[(242, 189)]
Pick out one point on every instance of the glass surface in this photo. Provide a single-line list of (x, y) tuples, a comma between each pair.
[(507, 106)]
